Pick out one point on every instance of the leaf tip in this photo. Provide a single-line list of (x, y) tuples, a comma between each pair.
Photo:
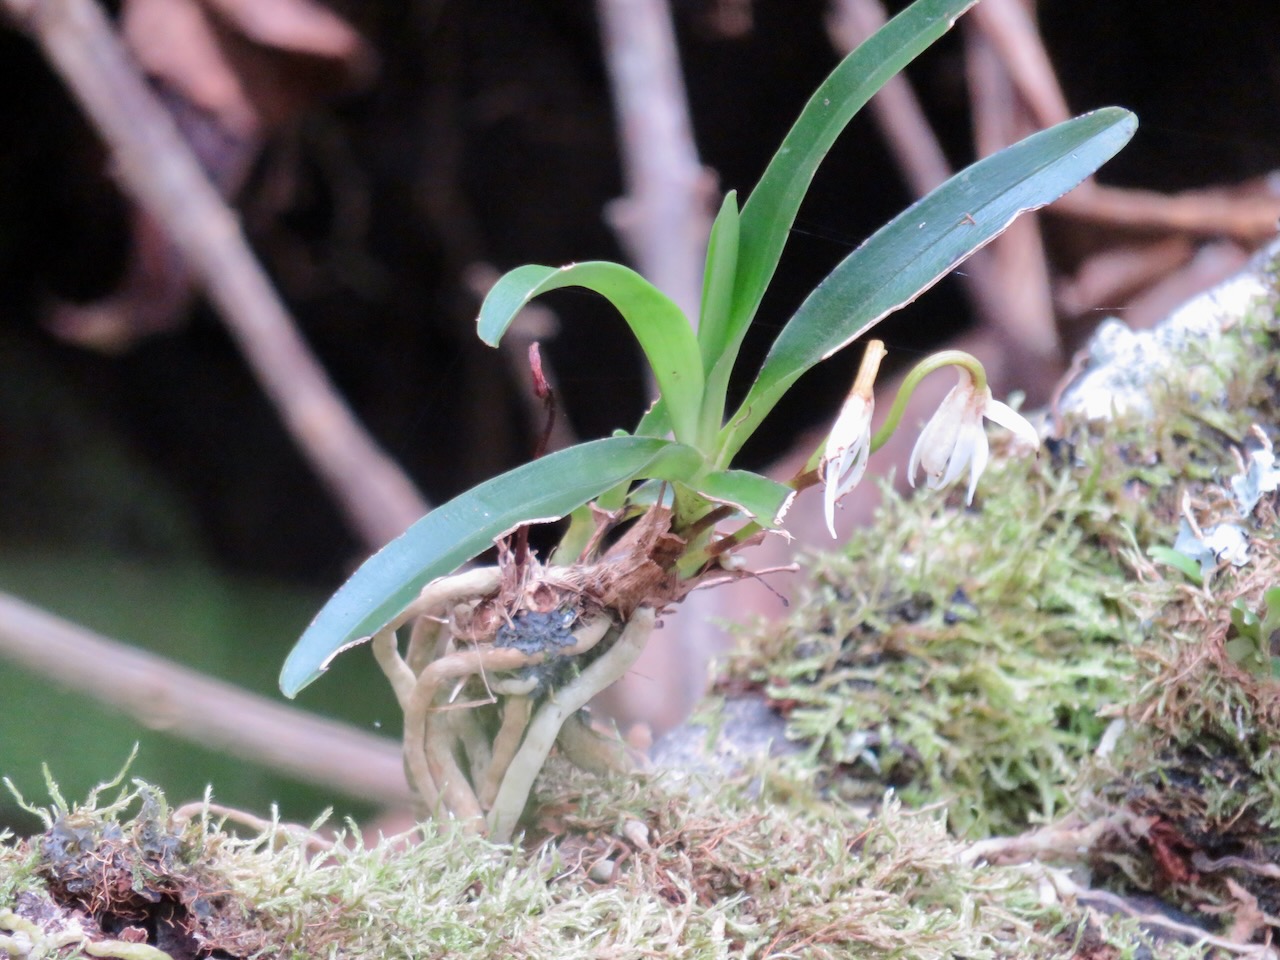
[(292, 680)]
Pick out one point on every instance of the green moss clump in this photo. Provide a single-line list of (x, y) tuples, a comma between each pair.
[(1195, 776), (17, 870), (961, 655), (974, 656)]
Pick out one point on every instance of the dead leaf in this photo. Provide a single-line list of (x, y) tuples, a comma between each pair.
[(250, 63)]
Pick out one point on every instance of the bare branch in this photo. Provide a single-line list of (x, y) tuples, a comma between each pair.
[(1007, 282), (1011, 28), (895, 108), (157, 168), (164, 696), (1249, 217), (1021, 302)]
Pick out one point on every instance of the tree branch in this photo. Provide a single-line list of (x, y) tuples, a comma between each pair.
[(164, 696), (157, 168)]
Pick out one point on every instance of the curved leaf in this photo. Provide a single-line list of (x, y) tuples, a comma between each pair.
[(914, 250), (459, 530), (658, 324)]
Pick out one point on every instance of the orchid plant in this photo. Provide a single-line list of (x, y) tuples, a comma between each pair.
[(498, 661)]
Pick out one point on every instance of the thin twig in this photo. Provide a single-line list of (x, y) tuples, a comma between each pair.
[(1011, 28), (164, 696), (902, 123), (1022, 304), (1112, 903), (1113, 276), (157, 167), (1210, 212), (1068, 840), (895, 108)]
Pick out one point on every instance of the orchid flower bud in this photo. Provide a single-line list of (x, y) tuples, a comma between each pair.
[(844, 460)]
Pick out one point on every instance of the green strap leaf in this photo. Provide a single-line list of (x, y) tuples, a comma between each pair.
[(452, 534), (914, 250), (771, 209), (714, 330), (760, 498), (658, 324)]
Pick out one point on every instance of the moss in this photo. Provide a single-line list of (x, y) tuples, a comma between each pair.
[(962, 655), (17, 870), (974, 656), (1199, 759), (621, 867)]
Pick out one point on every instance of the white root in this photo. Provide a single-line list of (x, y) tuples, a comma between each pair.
[(398, 674), (425, 746), (514, 793), (516, 712)]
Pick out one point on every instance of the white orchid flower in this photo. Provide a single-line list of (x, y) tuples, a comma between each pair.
[(844, 460), (954, 437)]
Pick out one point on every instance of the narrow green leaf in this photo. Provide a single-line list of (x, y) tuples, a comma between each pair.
[(717, 282), (452, 534), (658, 324), (758, 497), (771, 209), (914, 250), (656, 421)]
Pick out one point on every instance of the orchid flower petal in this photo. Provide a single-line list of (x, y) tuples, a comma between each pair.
[(1014, 422)]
